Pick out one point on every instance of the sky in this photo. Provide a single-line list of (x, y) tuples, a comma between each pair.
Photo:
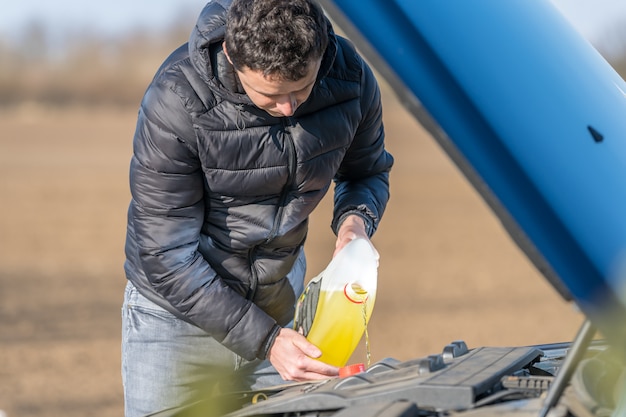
[(109, 17), (593, 18)]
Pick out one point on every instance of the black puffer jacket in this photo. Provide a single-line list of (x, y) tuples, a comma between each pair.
[(222, 191)]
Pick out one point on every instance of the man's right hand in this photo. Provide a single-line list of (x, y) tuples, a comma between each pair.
[(293, 356)]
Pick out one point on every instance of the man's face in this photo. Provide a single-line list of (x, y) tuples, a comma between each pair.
[(278, 97)]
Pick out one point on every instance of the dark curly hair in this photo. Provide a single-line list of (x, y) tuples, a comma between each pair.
[(278, 37)]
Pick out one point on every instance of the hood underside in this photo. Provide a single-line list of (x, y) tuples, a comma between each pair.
[(532, 115)]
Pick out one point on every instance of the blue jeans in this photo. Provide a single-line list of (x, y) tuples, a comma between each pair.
[(168, 363)]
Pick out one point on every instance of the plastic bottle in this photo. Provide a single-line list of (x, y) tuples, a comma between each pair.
[(340, 301)]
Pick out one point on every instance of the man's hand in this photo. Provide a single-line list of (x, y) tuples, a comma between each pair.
[(352, 227), (293, 357)]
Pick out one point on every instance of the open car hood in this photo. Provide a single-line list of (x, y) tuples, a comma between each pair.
[(533, 116)]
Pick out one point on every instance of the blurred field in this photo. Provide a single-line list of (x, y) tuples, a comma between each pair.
[(448, 271)]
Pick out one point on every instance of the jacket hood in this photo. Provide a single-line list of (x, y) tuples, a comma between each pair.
[(209, 60), (208, 34)]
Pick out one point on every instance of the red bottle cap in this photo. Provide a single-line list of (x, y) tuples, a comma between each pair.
[(351, 370)]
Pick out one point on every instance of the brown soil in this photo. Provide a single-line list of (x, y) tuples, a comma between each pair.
[(448, 271)]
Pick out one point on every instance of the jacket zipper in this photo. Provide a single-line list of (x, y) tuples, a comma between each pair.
[(291, 154)]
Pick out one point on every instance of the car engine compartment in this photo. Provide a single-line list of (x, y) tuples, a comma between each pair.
[(459, 381)]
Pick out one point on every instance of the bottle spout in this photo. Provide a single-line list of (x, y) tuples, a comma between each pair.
[(355, 293)]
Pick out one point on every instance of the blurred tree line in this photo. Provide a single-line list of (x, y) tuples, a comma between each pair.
[(85, 68)]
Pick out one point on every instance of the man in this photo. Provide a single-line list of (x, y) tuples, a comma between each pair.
[(239, 136)]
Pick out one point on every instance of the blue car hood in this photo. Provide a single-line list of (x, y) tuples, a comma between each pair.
[(533, 116)]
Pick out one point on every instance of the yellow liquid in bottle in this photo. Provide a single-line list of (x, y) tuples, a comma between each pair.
[(339, 324)]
